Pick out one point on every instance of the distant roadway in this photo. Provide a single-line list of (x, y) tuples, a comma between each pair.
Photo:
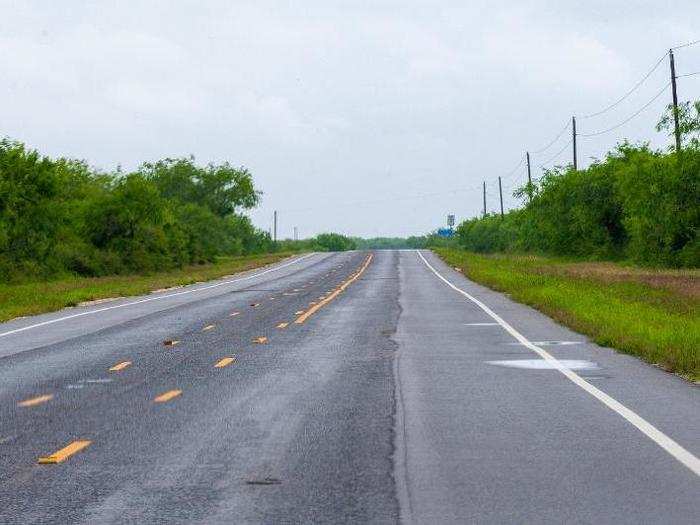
[(356, 387)]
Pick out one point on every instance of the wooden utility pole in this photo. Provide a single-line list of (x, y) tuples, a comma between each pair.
[(675, 101), (500, 193), (529, 175), (274, 228), (484, 198), (573, 136)]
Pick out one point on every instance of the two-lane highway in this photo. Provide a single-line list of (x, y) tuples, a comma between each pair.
[(353, 387)]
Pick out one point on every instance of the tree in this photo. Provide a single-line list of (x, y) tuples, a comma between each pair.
[(221, 188), (688, 122), (334, 242)]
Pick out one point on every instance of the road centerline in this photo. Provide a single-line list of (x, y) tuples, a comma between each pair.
[(167, 396), (150, 299), (314, 307), (120, 366), (224, 362), (38, 400), (61, 455)]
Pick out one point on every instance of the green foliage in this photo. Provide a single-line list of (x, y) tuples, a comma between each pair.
[(35, 297), (222, 189), (637, 203), (391, 243), (302, 245), (334, 242), (434, 240), (60, 216), (688, 122)]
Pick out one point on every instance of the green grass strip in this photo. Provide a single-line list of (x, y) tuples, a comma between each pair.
[(17, 300), (655, 323)]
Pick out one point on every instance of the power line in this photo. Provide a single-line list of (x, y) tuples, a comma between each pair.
[(512, 172), (542, 150), (556, 155), (381, 201), (520, 163), (688, 44), (634, 88), (627, 119)]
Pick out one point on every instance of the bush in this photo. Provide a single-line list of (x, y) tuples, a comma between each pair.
[(61, 216), (637, 203), (334, 242)]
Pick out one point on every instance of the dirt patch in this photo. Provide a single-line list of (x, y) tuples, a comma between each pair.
[(97, 301), (682, 282), (167, 289)]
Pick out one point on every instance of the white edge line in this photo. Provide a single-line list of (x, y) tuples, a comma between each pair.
[(140, 301), (669, 445)]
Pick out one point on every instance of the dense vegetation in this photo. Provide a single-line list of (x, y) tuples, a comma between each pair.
[(324, 242), (61, 216), (637, 203), (431, 240), (391, 243), (32, 297), (333, 242)]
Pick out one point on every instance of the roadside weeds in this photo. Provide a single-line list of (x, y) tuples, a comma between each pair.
[(652, 314), (21, 300)]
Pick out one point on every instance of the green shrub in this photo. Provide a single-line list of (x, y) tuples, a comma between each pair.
[(637, 203), (61, 216), (334, 242)]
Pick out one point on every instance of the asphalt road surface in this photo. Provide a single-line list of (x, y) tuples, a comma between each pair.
[(355, 387)]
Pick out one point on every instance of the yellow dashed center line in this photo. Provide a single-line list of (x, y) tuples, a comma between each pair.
[(282, 325), (64, 453), (224, 362), (35, 400), (120, 366), (167, 396), (315, 307)]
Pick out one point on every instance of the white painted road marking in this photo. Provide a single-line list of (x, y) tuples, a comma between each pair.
[(544, 364), (140, 301), (686, 457), (554, 343)]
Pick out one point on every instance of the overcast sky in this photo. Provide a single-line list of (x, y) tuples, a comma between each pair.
[(368, 118)]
